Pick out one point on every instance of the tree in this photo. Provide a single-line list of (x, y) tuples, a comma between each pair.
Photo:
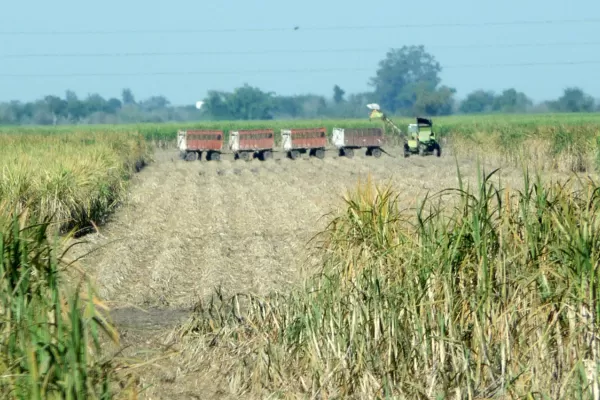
[(95, 103), (287, 106), (479, 101), (407, 81), (127, 97), (56, 106), (155, 103), (511, 101), (432, 102), (215, 105), (250, 103), (113, 105), (573, 100), (75, 107), (245, 103), (338, 94), (403, 75)]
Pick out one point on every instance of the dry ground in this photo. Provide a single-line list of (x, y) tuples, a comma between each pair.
[(189, 227)]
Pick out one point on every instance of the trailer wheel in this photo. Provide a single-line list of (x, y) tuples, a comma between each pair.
[(245, 155), (320, 154), (376, 152), (214, 156), (349, 153), (265, 155), (294, 154), (191, 156)]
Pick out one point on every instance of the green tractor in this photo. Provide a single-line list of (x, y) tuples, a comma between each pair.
[(422, 139)]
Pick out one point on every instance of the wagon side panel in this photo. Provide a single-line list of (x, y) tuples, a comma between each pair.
[(258, 139), (204, 140), (309, 138), (369, 137)]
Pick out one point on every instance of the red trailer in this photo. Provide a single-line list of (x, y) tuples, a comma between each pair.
[(296, 141), (252, 142), (192, 143), (346, 140)]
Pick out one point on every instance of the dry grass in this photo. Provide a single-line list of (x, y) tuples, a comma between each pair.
[(76, 179), (557, 148), (485, 299), (496, 299)]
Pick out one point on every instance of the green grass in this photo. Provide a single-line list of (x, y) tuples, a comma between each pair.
[(51, 338), (481, 292), (525, 124)]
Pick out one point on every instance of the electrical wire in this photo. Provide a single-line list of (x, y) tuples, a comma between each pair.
[(284, 71), (285, 51), (304, 28)]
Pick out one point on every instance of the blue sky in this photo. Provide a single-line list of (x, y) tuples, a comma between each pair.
[(493, 45)]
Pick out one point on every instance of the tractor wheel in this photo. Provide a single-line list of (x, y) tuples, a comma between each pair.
[(191, 156), (422, 150), (376, 152), (349, 153), (437, 151), (294, 154), (320, 154), (406, 151)]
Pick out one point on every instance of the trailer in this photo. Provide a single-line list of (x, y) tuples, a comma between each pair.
[(297, 141), (192, 143), (253, 143), (347, 140)]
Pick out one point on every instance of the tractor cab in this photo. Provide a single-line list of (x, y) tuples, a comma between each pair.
[(425, 130), (413, 130), (421, 138), (421, 131)]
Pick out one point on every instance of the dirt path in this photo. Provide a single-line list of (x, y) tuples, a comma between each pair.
[(189, 227)]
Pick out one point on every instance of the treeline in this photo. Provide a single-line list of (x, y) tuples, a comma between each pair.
[(407, 83), (94, 109)]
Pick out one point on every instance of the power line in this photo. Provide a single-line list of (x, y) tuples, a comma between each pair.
[(283, 71), (303, 28), (285, 51)]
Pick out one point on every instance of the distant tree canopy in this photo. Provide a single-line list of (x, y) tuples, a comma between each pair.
[(245, 103), (407, 82), (573, 100), (509, 101), (338, 94), (93, 109)]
